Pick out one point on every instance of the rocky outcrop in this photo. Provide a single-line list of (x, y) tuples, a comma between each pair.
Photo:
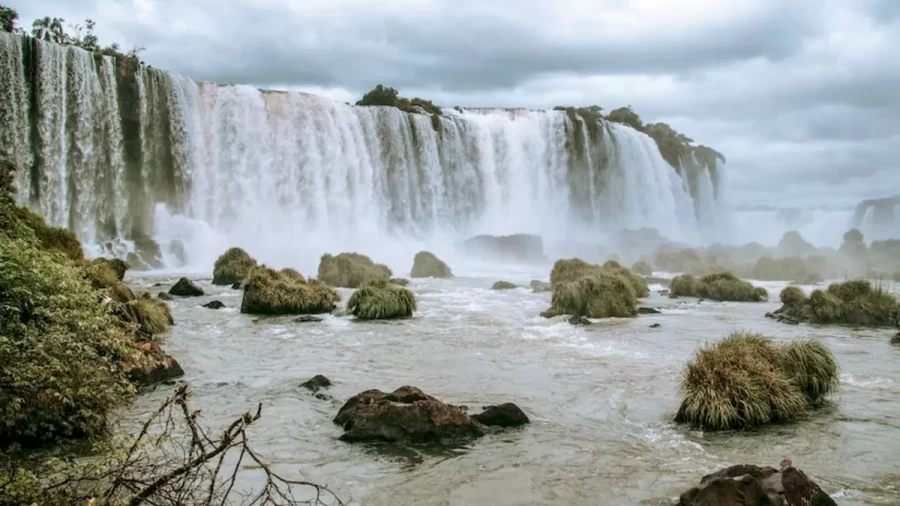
[(410, 415), (186, 288), (503, 285), (216, 304), (748, 485), (152, 365), (516, 247), (427, 265), (579, 320)]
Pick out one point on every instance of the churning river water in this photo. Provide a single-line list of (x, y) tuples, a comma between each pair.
[(601, 398)]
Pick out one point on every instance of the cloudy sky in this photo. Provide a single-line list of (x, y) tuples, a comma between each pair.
[(803, 96)]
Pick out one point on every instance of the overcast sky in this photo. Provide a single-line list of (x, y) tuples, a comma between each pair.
[(802, 96)]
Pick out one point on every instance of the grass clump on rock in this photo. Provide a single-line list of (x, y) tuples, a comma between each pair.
[(572, 269), (350, 270), (746, 380), (267, 291), (503, 285), (380, 299), (854, 302), (642, 269), (232, 267), (601, 295), (151, 315), (427, 265), (722, 286)]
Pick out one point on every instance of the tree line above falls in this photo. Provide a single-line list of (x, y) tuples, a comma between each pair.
[(673, 145)]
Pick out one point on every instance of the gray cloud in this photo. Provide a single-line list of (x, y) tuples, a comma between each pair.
[(801, 96)]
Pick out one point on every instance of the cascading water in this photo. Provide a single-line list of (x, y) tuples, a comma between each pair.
[(124, 153)]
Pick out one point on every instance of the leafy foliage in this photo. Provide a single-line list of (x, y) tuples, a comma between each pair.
[(350, 270), (721, 286), (380, 299), (232, 267), (390, 97), (267, 291), (626, 116), (8, 18), (427, 265), (746, 380)]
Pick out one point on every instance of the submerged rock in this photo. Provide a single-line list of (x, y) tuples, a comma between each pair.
[(307, 318), (407, 415), (186, 288), (165, 296), (214, 305), (400, 281), (648, 310), (749, 485), (579, 320), (503, 285), (316, 382), (504, 415), (896, 339), (655, 326)]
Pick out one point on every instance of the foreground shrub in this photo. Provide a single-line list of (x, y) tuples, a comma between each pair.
[(854, 302), (427, 265), (350, 270), (746, 380), (380, 299), (642, 268), (267, 291), (723, 286), (601, 295), (232, 267), (61, 351)]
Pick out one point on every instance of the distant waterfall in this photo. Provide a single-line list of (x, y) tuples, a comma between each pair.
[(119, 154)]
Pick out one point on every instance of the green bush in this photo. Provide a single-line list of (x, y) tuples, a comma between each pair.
[(350, 270), (52, 238), (232, 267), (267, 291), (118, 266), (792, 295), (427, 265), (152, 315), (601, 295), (572, 269), (642, 268), (746, 380), (61, 351), (722, 286), (380, 95), (379, 299)]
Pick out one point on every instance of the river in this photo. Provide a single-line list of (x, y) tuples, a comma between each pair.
[(601, 398)]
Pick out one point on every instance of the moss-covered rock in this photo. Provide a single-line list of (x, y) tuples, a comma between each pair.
[(232, 267), (350, 270), (746, 380), (427, 265), (267, 291), (52, 238), (642, 269), (854, 302), (151, 315), (379, 299), (503, 285), (722, 286), (117, 265), (603, 294)]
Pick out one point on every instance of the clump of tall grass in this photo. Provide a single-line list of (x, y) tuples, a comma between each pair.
[(350, 270), (232, 267), (722, 286), (746, 380), (380, 299), (267, 291)]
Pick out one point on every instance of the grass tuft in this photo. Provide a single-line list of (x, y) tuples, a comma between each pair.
[(232, 267), (721, 286), (268, 291), (350, 270), (380, 299)]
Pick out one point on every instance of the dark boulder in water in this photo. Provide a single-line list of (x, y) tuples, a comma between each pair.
[(896, 339), (307, 318), (648, 310), (152, 365), (748, 485), (655, 326), (186, 288), (316, 382), (406, 415), (214, 305), (504, 415), (165, 296), (503, 285), (400, 281)]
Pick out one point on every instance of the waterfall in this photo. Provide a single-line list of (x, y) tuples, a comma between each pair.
[(123, 153)]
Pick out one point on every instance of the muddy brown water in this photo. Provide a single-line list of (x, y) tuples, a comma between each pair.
[(601, 398)]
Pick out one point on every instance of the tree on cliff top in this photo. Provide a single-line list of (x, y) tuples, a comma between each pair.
[(8, 18), (380, 95)]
